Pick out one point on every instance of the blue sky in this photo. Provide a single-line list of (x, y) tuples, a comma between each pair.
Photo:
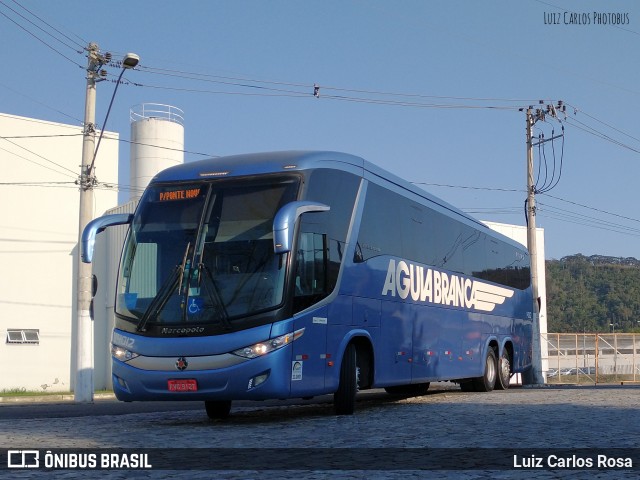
[(429, 90)]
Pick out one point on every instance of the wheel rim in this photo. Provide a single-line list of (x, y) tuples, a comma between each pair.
[(491, 370), (505, 369)]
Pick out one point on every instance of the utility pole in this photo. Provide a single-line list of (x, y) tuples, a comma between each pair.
[(83, 347), (536, 377), (83, 389)]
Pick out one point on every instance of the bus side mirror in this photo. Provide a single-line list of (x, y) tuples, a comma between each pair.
[(96, 226), (285, 221)]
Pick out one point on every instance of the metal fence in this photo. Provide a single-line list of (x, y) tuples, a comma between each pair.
[(592, 357)]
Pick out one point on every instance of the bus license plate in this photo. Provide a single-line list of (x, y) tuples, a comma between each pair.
[(188, 385)]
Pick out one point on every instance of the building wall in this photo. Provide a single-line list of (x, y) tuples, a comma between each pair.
[(38, 246)]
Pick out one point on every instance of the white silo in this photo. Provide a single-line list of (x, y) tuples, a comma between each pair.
[(157, 142)]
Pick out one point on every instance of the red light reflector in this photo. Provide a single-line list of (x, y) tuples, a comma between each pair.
[(183, 385)]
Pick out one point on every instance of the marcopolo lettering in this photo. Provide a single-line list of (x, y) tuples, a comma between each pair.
[(428, 285), (181, 330)]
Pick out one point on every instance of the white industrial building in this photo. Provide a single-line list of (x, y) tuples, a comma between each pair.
[(40, 163), (39, 238)]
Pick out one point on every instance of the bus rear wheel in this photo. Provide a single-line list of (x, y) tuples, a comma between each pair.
[(487, 381), (217, 409), (344, 400), (504, 371)]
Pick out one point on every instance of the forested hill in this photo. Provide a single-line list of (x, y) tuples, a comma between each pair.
[(590, 293)]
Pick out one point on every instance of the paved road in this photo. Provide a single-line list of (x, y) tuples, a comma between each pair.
[(445, 428)]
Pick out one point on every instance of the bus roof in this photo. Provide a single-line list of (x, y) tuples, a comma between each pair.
[(287, 161)]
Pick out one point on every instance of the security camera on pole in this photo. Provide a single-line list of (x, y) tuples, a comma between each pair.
[(83, 388)]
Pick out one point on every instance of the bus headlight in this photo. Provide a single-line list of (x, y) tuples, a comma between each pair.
[(268, 346), (122, 354)]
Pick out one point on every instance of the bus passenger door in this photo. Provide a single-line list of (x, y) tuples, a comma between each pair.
[(309, 361)]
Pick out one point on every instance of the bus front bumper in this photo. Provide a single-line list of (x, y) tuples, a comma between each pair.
[(260, 378)]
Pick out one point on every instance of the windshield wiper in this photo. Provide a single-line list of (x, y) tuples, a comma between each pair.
[(164, 294), (214, 295), (161, 298)]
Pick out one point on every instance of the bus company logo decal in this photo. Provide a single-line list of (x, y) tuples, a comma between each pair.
[(182, 364), (433, 286)]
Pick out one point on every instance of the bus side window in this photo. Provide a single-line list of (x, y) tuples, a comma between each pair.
[(311, 269)]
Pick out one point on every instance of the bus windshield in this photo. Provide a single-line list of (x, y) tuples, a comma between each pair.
[(202, 253)]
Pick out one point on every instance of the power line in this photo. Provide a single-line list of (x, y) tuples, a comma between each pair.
[(577, 110), (592, 208), (493, 211), (315, 90), (470, 187), (38, 184), (297, 94), (592, 131), (590, 224), (14, 137), (40, 156), (553, 182), (220, 80), (42, 122), (312, 88), (208, 155), (220, 92), (41, 103), (34, 35), (181, 150), (593, 220), (74, 185), (81, 45), (550, 214)]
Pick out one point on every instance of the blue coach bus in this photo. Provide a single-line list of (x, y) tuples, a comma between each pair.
[(297, 274)]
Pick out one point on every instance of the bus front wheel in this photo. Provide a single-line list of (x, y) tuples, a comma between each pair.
[(344, 400), (217, 409)]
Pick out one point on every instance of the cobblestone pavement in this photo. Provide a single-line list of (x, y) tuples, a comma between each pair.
[(551, 418)]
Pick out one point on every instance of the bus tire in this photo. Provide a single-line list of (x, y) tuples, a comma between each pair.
[(344, 400), (504, 371), (217, 409), (487, 381), (413, 390)]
